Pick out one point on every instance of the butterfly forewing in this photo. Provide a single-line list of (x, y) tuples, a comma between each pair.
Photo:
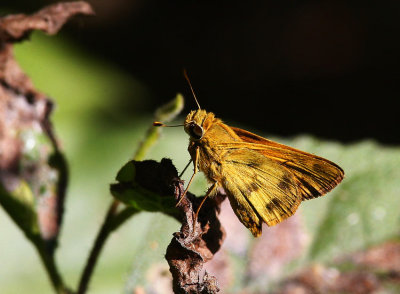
[(315, 175)]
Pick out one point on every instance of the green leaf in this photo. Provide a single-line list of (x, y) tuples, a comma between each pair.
[(127, 173), (147, 186), (20, 205), (364, 209), (142, 199)]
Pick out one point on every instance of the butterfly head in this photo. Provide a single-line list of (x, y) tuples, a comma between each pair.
[(197, 122), (193, 124)]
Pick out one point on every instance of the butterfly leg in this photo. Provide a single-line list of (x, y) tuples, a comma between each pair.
[(190, 161), (195, 163), (211, 190)]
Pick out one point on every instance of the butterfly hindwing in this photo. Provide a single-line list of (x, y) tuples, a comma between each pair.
[(259, 189)]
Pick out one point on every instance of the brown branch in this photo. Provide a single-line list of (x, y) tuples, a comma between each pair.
[(195, 244)]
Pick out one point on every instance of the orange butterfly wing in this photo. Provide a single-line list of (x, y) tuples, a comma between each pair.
[(315, 175)]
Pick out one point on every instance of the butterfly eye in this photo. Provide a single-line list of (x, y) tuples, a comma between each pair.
[(196, 131)]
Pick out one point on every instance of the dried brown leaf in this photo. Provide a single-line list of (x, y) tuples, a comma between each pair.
[(49, 20), (195, 244)]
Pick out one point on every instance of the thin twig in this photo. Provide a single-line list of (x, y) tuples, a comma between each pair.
[(51, 269), (101, 238), (112, 221)]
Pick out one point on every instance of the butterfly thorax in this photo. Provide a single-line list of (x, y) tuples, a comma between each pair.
[(203, 127)]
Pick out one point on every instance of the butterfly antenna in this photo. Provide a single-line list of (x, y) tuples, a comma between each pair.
[(191, 88), (160, 124)]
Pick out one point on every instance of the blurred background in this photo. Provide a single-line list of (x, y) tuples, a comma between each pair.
[(322, 76)]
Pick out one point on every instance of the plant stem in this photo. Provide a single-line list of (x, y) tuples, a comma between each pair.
[(101, 238), (112, 221), (51, 268)]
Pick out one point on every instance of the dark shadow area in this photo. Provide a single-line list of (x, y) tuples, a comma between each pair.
[(328, 68)]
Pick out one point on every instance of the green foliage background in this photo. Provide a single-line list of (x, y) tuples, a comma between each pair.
[(362, 211)]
